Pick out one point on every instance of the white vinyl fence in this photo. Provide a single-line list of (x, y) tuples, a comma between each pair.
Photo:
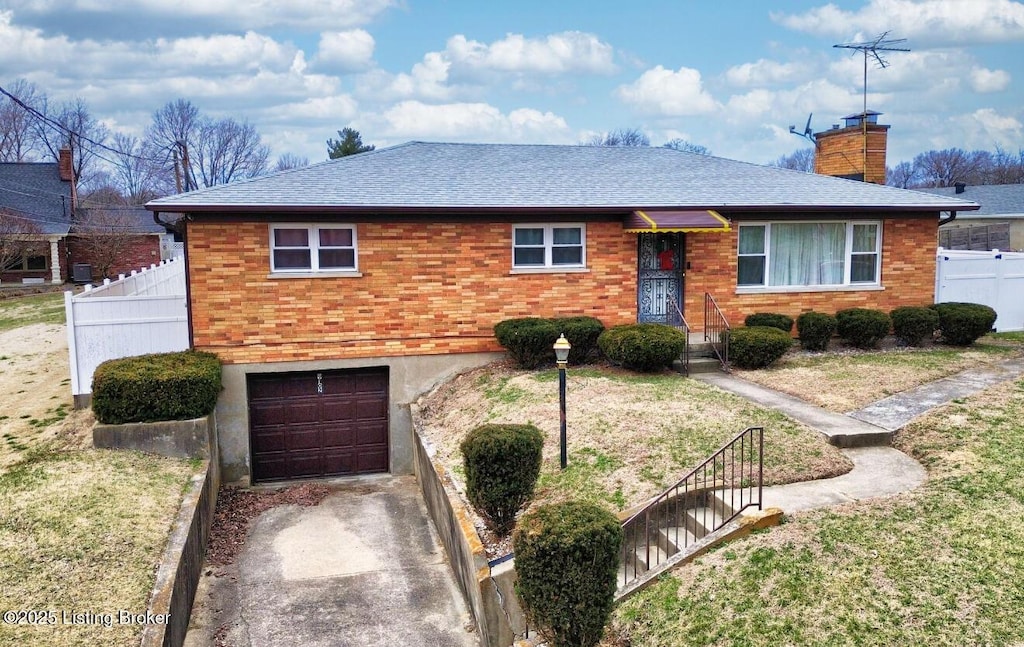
[(993, 278), (138, 314)]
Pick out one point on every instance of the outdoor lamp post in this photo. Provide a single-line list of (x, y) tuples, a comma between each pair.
[(562, 347)]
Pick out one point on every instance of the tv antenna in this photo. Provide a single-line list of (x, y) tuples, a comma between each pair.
[(807, 134), (873, 47)]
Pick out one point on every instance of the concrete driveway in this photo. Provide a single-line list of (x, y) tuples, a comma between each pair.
[(362, 568)]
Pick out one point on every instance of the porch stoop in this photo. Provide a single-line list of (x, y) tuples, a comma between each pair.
[(702, 357)]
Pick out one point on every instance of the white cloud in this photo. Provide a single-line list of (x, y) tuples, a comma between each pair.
[(941, 22), (984, 80), (985, 128), (252, 51), (467, 122), (345, 51), (659, 91), (765, 73), (569, 51), (427, 80)]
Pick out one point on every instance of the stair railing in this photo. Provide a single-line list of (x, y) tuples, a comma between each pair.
[(675, 316), (710, 496), (716, 330)]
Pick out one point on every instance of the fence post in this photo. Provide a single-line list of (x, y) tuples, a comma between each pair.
[(69, 313)]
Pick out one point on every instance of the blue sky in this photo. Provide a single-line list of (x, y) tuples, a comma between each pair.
[(731, 76)]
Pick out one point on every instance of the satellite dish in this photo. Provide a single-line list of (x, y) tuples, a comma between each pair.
[(807, 134)]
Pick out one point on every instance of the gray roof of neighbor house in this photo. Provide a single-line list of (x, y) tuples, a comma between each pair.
[(133, 220), (996, 200), (436, 177), (35, 192)]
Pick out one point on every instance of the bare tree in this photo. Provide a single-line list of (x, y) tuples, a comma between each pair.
[(1006, 167), (103, 236), (621, 137), (18, 142), (290, 161), (678, 144), (18, 237), (135, 174), (952, 165), (801, 160), (904, 175), (71, 124), (228, 150)]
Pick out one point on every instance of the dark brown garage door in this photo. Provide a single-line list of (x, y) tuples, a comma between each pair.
[(325, 423)]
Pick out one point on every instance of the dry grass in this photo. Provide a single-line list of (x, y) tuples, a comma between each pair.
[(629, 436), (939, 566), (845, 380)]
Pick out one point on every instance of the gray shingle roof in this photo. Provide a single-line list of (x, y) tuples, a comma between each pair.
[(35, 191), (995, 199), (135, 220), (420, 175)]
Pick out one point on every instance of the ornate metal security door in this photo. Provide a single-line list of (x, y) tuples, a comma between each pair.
[(659, 278)]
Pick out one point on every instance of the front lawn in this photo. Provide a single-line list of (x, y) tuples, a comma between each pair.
[(846, 380), (943, 565), (37, 308), (629, 435)]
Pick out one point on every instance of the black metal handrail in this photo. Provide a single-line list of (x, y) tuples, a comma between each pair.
[(706, 499), (671, 301), (716, 330)]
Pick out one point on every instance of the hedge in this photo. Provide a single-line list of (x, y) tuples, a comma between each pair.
[(757, 346), (771, 319), (530, 340), (567, 559), (502, 463), (815, 330), (961, 324), (912, 325), (863, 327), (150, 388), (642, 347)]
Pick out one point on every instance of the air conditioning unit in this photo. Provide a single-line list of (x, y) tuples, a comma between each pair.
[(81, 273)]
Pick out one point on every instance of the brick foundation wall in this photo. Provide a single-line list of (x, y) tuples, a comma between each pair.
[(426, 288), (908, 276)]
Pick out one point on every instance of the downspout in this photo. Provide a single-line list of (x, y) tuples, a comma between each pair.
[(952, 217)]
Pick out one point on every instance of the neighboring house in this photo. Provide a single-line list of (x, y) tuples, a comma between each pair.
[(37, 203), (337, 293), (999, 224), (107, 241)]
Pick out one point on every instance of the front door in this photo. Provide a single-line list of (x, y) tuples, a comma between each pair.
[(660, 278)]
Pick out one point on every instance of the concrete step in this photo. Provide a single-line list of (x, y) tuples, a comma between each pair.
[(704, 520), (719, 500), (648, 557), (704, 365), (676, 538)]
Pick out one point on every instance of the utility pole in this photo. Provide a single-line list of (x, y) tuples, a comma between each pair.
[(880, 44), (177, 171)]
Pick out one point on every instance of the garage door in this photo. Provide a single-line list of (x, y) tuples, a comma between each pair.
[(326, 423)]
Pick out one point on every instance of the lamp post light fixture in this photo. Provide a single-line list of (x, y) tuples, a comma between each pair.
[(562, 348)]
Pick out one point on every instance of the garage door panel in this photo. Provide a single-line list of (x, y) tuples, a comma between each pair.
[(296, 432)]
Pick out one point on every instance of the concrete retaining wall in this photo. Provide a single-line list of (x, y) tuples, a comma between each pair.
[(488, 591), (174, 438)]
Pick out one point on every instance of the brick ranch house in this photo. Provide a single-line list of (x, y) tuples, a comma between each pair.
[(337, 293)]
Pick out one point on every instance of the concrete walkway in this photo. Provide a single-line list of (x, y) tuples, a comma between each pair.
[(878, 470), (362, 568)]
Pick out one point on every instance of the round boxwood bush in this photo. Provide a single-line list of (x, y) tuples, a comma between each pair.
[(642, 347), (912, 325), (771, 319), (815, 329), (160, 386), (757, 346), (862, 327), (582, 333), (528, 340), (502, 463), (567, 559), (961, 324)]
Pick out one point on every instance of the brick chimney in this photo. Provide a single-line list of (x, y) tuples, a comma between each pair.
[(855, 151), (65, 166)]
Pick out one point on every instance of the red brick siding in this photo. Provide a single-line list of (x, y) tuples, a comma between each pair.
[(426, 288), (137, 252), (43, 247), (908, 276)]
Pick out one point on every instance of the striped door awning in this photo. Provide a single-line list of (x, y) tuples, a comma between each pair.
[(645, 222)]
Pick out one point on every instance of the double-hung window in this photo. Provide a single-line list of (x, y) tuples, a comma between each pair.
[(809, 254), (548, 246), (312, 248)]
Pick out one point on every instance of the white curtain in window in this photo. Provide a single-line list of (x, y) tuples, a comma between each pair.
[(807, 253)]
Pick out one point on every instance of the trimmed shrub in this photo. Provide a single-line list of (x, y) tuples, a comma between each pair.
[(582, 333), (962, 324), (911, 324), (642, 347), (528, 340), (815, 330), (567, 559), (862, 327), (757, 346), (502, 464), (150, 388), (771, 319)]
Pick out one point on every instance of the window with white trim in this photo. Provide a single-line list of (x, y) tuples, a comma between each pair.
[(312, 248), (796, 254), (548, 246)]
